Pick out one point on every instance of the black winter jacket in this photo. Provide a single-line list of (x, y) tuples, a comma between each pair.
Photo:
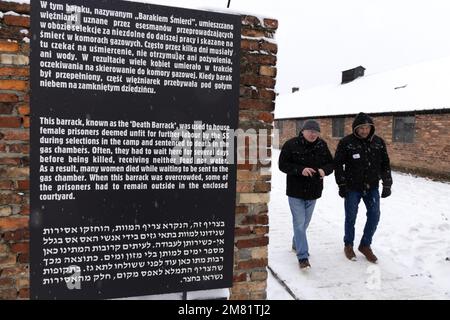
[(361, 163), (298, 154)]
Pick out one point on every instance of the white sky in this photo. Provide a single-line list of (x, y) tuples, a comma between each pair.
[(318, 39)]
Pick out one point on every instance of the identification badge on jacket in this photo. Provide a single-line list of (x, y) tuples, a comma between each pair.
[(356, 156)]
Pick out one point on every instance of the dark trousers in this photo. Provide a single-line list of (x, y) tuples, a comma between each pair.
[(371, 199)]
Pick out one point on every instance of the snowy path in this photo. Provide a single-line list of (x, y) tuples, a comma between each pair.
[(412, 244)]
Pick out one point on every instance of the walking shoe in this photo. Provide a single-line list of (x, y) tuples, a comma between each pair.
[(368, 253), (349, 253), (304, 263)]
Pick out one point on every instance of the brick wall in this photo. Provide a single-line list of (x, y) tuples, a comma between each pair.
[(258, 71), (14, 151), (428, 155)]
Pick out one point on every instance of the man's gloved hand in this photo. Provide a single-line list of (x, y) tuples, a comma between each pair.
[(386, 192), (342, 191)]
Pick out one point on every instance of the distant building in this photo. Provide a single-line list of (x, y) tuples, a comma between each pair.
[(410, 107)]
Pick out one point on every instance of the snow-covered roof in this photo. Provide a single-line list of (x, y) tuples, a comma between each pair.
[(423, 86)]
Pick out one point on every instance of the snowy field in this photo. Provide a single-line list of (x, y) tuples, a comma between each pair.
[(412, 243)]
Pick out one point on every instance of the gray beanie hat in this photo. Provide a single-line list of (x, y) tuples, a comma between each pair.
[(311, 125)]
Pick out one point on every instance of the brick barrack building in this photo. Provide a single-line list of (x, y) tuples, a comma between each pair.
[(410, 107)]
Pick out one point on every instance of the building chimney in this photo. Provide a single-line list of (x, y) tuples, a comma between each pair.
[(352, 74), (295, 89)]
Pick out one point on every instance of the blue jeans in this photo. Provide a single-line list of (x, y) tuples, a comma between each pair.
[(302, 211), (371, 199)]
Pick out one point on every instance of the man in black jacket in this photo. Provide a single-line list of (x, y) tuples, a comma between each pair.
[(361, 160), (305, 159)]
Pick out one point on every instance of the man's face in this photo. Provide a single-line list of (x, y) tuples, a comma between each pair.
[(310, 135), (363, 131)]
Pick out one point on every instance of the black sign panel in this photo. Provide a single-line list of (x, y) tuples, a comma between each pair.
[(132, 164)]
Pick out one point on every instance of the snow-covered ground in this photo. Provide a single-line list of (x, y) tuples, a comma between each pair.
[(412, 243)]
